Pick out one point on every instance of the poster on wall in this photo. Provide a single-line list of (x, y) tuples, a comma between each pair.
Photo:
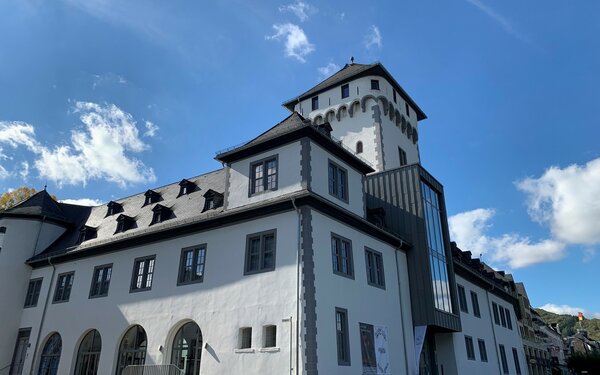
[(374, 349)]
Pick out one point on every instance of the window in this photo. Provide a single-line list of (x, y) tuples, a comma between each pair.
[(33, 292), (270, 336), (341, 332), (63, 287), (160, 213), (503, 358), (502, 317), (341, 250), (374, 84), (89, 354), (338, 181), (191, 265), (260, 252), (50, 357), (367, 346), (151, 197), (482, 350), (101, 281), (245, 338), (402, 156), (470, 348), (516, 359), (132, 351), (212, 200), (143, 271), (186, 187), (315, 103), (407, 110), (508, 319), (495, 309), (374, 262), (113, 208), (394, 91), (475, 303), (187, 349), (263, 175), (462, 299), (18, 358), (86, 233), (345, 91), (359, 147), (124, 223)]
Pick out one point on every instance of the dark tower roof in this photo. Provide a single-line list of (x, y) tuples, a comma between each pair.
[(39, 205)]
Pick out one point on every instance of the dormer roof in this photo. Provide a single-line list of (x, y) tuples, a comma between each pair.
[(351, 72)]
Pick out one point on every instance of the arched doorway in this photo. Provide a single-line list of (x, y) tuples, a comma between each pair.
[(132, 350), (187, 349), (89, 354), (50, 356)]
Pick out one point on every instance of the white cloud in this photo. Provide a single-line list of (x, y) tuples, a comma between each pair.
[(500, 19), (107, 79), (24, 172), (3, 173), (569, 310), (469, 230), (327, 70), (296, 42), (567, 200), (301, 9), (588, 254), (83, 202), (373, 38), (151, 129), (18, 133)]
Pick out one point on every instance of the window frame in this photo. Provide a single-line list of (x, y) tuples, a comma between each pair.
[(347, 88), (502, 316), (261, 252), (350, 257), (196, 249), (475, 303), (64, 274), (252, 176), (241, 342), (482, 353), (394, 95), (508, 320), (402, 157), (337, 193), (314, 103), (269, 332), (503, 359), (35, 295), (378, 282), (343, 342), (132, 288), (94, 278), (516, 360), (462, 298), (496, 314), (375, 85), (470, 348)]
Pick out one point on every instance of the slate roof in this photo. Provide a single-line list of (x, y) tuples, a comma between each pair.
[(40, 204), (350, 72)]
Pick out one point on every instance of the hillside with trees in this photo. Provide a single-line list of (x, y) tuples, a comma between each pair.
[(569, 324)]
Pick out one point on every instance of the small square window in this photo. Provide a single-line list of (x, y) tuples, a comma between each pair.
[(191, 265), (143, 273), (315, 103), (263, 175), (341, 252), (33, 292), (345, 91), (374, 84), (101, 281), (245, 338), (260, 252), (270, 336), (338, 181), (64, 283)]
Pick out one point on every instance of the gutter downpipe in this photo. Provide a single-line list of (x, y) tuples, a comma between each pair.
[(42, 319), (401, 309), (487, 296), (297, 294)]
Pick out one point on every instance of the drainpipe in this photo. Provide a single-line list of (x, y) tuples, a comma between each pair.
[(487, 296), (37, 340), (401, 311), (297, 294)]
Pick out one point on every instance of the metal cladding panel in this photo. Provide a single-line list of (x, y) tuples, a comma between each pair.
[(398, 192)]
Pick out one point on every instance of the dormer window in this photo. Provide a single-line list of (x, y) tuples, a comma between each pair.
[(160, 214), (113, 208), (325, 129), (186, 187), (87, 233), (124, 223), (151, 197), (212, 200)]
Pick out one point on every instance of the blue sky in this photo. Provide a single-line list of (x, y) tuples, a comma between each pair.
[(511, 90)]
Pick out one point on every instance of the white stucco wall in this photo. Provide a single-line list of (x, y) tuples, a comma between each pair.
[(225, 301), (288, 176)]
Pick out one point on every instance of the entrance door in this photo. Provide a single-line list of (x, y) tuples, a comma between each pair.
[(16, 367)]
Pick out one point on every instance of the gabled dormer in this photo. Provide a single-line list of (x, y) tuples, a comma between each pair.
[(160, 213), (212, 200), (151, 196), (113, 208), (87, 233), (186, 187), (124, 223)]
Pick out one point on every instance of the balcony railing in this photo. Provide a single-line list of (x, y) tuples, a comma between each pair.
[(152, 370)]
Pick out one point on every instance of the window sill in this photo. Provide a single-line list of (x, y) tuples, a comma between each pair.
[(249, 350), (269, 350)]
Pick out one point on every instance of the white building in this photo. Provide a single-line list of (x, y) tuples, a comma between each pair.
[(302, 255)]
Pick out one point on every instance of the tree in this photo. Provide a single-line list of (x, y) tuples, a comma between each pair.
[(12, 198)]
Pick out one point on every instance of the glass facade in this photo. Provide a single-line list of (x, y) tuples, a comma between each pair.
[(436, 248)]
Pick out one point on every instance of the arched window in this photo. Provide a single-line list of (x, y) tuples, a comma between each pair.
[(50, 356), (133, 348), (187, 349), (89, 354), (359, 147)]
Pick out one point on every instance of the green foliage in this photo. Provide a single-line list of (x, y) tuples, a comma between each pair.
[(569, 324), (587, 362)]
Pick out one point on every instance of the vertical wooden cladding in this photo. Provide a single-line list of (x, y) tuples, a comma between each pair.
[(398, 192)]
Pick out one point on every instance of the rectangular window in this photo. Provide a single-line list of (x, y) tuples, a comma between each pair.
[(470, 348), (315, 103), (475, 303), (341, 251), (374, 84), (374, 262), (338, 181), (341, 329), (395, 96), (367, 346), (33, 292), (143, 272), (462, 298), (345, 91), (516, 359), (502, 317), (482, 350), (270, 337), (508, 319), (245, 338), (496, 317), (260, 252), (63, 287), (407, 109), (263, 175), (503, 358), (402, 156), (101, 281), (191, 265)]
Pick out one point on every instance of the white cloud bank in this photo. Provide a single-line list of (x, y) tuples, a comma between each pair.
[(569, 310), (301, 9), (295, 40), (373, 38), (83, 202)]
